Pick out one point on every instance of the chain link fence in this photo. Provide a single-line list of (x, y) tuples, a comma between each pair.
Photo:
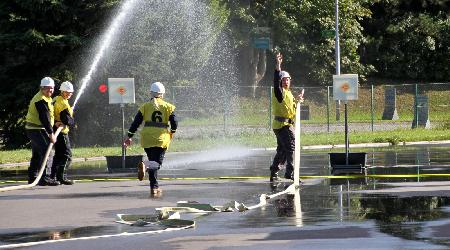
[(248, 109)]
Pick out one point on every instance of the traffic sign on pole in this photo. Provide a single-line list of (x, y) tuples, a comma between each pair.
[(328, 33), (261, 38)]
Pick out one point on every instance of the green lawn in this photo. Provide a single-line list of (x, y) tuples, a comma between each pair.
[(255, 111), (261, 140)]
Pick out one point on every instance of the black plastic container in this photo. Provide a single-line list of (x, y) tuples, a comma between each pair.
[(356, 163), (114, 163)]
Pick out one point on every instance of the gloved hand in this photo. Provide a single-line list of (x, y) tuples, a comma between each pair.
[(52, 137), (59, 124), (300, 96), (127, 142)]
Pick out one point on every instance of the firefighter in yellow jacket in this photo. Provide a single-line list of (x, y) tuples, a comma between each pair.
[(39, 129), (160, 123), (284, 107), (63, 152)]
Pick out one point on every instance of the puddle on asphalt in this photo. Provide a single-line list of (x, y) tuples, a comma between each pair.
[(328, 206), (318, 205), (325, 203), (393, 160), (36, 236)]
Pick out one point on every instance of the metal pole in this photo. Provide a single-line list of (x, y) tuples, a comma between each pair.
[(417, 165), (123, 136), (338, 72), (225, 111), (346, 132), (371, 105), (297, 145), (173, 95), (338, 54), (416, 104), (337, 48), (341, 203), (328, 109), (348, 197)]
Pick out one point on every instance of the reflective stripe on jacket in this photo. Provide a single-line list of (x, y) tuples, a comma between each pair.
[(32, 118), (155, 132), (60, 104), (284, 110)]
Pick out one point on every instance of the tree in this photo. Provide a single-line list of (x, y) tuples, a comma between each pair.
[(40, 38), (409, 39), (244, 21), (297, 31), (173, 43)]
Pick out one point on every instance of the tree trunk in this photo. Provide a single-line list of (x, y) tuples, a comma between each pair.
[(253, 66)]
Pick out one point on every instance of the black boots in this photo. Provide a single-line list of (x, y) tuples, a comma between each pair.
[(65, 181), (289, 176), (47, 181), (61, 177), (44, 181), (273, 175)]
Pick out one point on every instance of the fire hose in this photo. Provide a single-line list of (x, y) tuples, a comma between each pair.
[(41, 171)]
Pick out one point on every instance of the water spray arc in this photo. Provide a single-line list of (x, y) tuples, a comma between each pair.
[(177, 42), (104, 44)]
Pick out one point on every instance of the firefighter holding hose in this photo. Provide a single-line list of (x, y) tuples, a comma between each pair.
[(39, 129), (63, 152), (284, 108)]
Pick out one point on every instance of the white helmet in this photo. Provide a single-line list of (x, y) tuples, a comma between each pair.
[(157, 87), (284, 74), (47, 82), (66, 86)]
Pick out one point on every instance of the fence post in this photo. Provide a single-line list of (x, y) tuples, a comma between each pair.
[(270, 107), (225, 111), (416, 93), (328, 109), (371, 104), (173, 95)]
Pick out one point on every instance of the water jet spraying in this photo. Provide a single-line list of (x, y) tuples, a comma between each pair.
[(104, 44)]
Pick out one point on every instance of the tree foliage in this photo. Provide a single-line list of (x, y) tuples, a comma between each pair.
[(297, 28), (409, 39), (402, 39), (173, 43), (39, 39)]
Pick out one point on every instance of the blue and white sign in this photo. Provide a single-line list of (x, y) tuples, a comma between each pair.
[(261, 43), (261, 38)]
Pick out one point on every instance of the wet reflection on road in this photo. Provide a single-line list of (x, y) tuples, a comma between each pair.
[(320, 202)]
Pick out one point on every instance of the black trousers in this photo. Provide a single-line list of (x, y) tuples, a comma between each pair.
[(62, 158), (155, 154), (39, 144), (285, 150)]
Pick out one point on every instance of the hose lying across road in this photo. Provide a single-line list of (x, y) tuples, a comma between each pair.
[(41, 171)]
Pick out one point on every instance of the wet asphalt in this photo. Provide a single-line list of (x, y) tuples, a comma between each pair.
[(407, 209)]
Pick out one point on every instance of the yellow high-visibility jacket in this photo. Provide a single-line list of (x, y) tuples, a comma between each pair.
[(155, 132), (60, 104), (32, 118)]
